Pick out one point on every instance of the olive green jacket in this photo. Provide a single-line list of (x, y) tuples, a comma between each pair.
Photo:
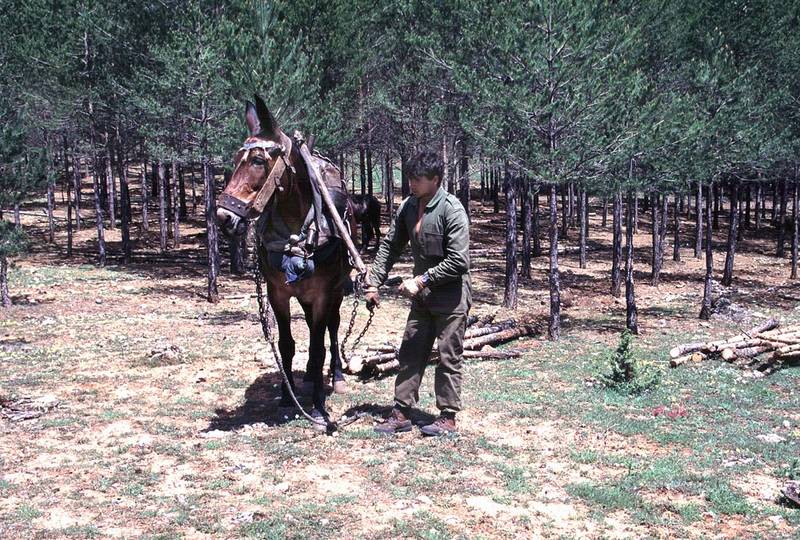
[(441, 250)]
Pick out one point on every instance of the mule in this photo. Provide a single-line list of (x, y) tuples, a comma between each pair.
[(367, 212), (271, 183)]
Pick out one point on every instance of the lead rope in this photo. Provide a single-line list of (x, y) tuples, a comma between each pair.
[(265, 316)]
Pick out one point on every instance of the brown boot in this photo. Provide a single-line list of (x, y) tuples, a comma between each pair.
[(397, 422), (444, 425)]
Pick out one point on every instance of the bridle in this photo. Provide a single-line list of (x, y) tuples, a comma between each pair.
[(280, 153)]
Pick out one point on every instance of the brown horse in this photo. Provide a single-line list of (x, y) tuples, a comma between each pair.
[(271, 182)]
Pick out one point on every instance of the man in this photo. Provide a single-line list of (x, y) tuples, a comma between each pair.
[(437, 227)]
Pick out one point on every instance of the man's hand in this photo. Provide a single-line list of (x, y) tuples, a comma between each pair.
[(411, 287), (372, 298)]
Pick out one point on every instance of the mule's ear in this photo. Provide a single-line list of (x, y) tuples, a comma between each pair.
[(251, 116), (268, 124)]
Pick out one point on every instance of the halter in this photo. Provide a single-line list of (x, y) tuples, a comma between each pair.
[(248, 210)]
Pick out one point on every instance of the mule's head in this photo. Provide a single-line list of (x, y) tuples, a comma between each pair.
[(260, 167)]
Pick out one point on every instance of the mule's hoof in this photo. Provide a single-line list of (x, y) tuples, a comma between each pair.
[(340, 387), (321, 424)]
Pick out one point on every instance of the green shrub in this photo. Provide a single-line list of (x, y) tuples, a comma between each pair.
[(627, 374)]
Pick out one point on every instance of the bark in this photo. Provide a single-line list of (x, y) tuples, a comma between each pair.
[(125, 208), (605, 212), (527, 227), (495, 191), (463, 179), (698, 224), (212, 244), (50, 207), (17, 218), (510, 296), (537, 243), (718, 206), (748, 201), (145, 194), (67, 184), (616, 245), (362, 169), (564, 211), (795, 227), (77, 178), (635, 212), (774, 213), (554, 326), (655, 260), (483, 180), (727, 274), (631, 315), (112, 189), (194, 189), (98, 211), (176, 230), (676, 239), (583, 223), (162, 206), (182, 192), (781, 223), (389, 190), (369, 170), (759, 205), (405, 190), (5, 298), (705, 308), (571, 200)]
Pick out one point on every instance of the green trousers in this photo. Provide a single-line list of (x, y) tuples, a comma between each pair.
[(422, 328)]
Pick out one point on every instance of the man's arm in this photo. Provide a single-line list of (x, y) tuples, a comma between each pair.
[(389, 250), (456, 254)]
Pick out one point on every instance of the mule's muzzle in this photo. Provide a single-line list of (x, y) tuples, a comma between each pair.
[(230, 224)]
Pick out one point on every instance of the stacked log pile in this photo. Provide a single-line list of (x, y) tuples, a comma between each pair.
[(764, 348), (479, 339)]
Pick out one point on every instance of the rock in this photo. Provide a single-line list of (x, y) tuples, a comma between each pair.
[(772, 438)]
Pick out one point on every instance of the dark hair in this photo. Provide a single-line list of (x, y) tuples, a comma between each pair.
[(426, 163)]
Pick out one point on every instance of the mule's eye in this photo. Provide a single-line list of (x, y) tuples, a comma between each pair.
[(258, 162)]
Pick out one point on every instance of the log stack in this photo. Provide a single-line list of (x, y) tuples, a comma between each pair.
[(479, 339), (764, 348)]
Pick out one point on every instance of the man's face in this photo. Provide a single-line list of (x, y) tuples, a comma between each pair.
[(423, 186)]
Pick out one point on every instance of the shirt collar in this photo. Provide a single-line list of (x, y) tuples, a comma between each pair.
[(438, 196)]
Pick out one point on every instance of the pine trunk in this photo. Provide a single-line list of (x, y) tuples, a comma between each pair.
[(510, 296), (759, 205), (676, 239), (125, 208), (527, 226), (564, 211), (616, 245), (631, 314), (795, 227), (463, 179), (112, 190), (78, 180), (583, 224), (718, 206), (50, 207), (698, 224), (68, 180), (176, 230), (182, 192), (554, 326), (537, 243), (655, 261), (635, 212), (605, 212), (733, 225), (98, 211), (781, 222), (5, 298), (389, 190), (145, 195), (495, 191), (162, 206), (211, 228), (362, 169), (705, 309)]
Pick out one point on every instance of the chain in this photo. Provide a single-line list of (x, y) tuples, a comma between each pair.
[(357, 293)]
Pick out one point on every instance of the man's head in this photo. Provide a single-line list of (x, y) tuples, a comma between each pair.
[(425, 174)]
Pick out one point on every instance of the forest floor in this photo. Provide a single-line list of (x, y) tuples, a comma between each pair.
[(193, 445)]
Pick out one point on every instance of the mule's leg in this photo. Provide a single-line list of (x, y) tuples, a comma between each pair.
[(337, 377), (308, 376), (280, 306), (376, 224), (316, 350)]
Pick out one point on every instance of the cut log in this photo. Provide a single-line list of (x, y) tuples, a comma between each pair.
[(492, 329), (379, 358), (767, 325), (381, 348), (685, 349), (387, 366), (499, 337), (694, 357)]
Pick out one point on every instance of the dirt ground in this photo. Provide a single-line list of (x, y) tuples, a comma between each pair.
[(192, 444)]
